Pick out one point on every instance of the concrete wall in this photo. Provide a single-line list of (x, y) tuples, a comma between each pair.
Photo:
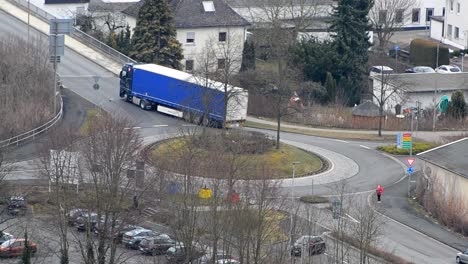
[(458, 20), (445, 182)]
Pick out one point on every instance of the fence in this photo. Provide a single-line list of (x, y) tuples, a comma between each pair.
[(87, 39), (34, 132)]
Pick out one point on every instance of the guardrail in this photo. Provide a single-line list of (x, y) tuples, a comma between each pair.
[(34, 132), (91, 41)]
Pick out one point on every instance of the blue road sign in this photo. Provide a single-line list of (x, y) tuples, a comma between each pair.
[(396, 47), (410, 170)]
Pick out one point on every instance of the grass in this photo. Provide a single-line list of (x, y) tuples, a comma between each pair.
[(336, 135), (91, 114), (277, 161), (417, 148), (314, 199)]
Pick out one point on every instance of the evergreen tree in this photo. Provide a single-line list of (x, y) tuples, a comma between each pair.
[(350, 25), (457, 106), (154, 39), (330, 86), (248, 56)]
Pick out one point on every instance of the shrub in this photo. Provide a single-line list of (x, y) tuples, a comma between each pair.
[(417, 148), (314, 199), (424, 53)]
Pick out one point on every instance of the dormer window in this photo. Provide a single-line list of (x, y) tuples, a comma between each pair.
[(208, 6)]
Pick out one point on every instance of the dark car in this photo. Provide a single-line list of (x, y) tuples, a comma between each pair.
[(178, 254), (126, 228), (420, 69), (74, 214), (87, 221), (314, 244), (17, 205), (132, 239), (15, 247), (156, 245)]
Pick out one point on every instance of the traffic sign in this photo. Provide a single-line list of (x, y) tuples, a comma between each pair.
[(410, 170), (407, 141), (410, 161), (396, 47)]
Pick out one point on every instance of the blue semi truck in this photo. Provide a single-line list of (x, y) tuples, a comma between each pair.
[(177, 93)]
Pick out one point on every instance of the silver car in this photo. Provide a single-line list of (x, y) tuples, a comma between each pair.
[(462, 257)]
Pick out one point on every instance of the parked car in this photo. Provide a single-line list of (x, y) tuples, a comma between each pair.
[(74, 214), (227, 261), (15, 247), (448, 69), (5, 236), (17, 205), (462, 257), (125, 229), (88, 220), (377, 70), (314, 244), (133, 238), (420, 69), (178, 254), (156, 245)]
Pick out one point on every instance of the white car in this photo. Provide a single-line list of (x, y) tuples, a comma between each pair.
[(378, 70), (462, 257), (227, 261), (448, 69)]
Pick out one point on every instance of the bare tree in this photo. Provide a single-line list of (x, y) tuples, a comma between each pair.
[(388, 16), (367, 229), (390, 89)]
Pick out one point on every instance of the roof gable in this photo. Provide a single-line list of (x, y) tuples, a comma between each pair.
[(452, 156)]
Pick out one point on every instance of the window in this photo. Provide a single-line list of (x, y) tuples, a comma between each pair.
[(399, 15), (429, 13), (458, 8), (451, 5), (190, 37), (382, 16), (208, 6), (449, 31), (415, 15), (221, 64), (222, 36), (189, 65), (443, 11), (457, 33)]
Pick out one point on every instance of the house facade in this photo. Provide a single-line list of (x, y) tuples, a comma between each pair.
[(452, 27), (62, 8), (204, 26)]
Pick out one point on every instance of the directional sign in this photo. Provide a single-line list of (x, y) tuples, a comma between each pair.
[(61, 26), (396, 47), (410, 170), (410, 161), (399, 140), (57, 45), (407, 140)]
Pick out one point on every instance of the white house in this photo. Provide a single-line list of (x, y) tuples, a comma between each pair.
[(62, 8), (452, 27), (419, 15), (204, 24), (418, 89)]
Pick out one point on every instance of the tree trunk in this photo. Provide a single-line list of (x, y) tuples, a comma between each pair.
[(278, 116), (380, 119)]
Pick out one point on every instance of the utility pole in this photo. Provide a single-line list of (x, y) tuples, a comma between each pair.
[(29, 14), (410, 154)]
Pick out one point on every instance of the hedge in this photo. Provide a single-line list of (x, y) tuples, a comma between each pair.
[(417, 148), (424, 53)]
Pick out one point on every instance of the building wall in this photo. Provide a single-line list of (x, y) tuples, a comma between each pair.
[(423, 5), (436, 30), (446, 182), (207, 39), (60, 10), (456, 19)]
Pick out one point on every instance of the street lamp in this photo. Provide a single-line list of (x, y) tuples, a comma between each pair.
[(291, 214)]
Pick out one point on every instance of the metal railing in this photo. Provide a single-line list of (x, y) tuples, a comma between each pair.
[(34, 132), (77, 33)]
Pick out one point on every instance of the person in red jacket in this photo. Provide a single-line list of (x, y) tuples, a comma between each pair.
[(379, 190)]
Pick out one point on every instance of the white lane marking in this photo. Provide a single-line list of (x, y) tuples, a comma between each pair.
[(362, 146), (136, 127), (188, 125), (126, 128), (342, 141), (350, 217), (160, 125)]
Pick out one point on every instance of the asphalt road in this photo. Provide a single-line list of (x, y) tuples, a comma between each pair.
[(77, 73)]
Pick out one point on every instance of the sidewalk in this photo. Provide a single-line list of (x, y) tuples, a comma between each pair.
[(396, 206), (437, 137)]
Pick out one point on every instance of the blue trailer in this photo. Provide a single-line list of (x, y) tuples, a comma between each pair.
[(177, 93)]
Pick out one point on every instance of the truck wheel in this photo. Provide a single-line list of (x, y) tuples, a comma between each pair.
[(122, 94), (143, 104), (206, 121)]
